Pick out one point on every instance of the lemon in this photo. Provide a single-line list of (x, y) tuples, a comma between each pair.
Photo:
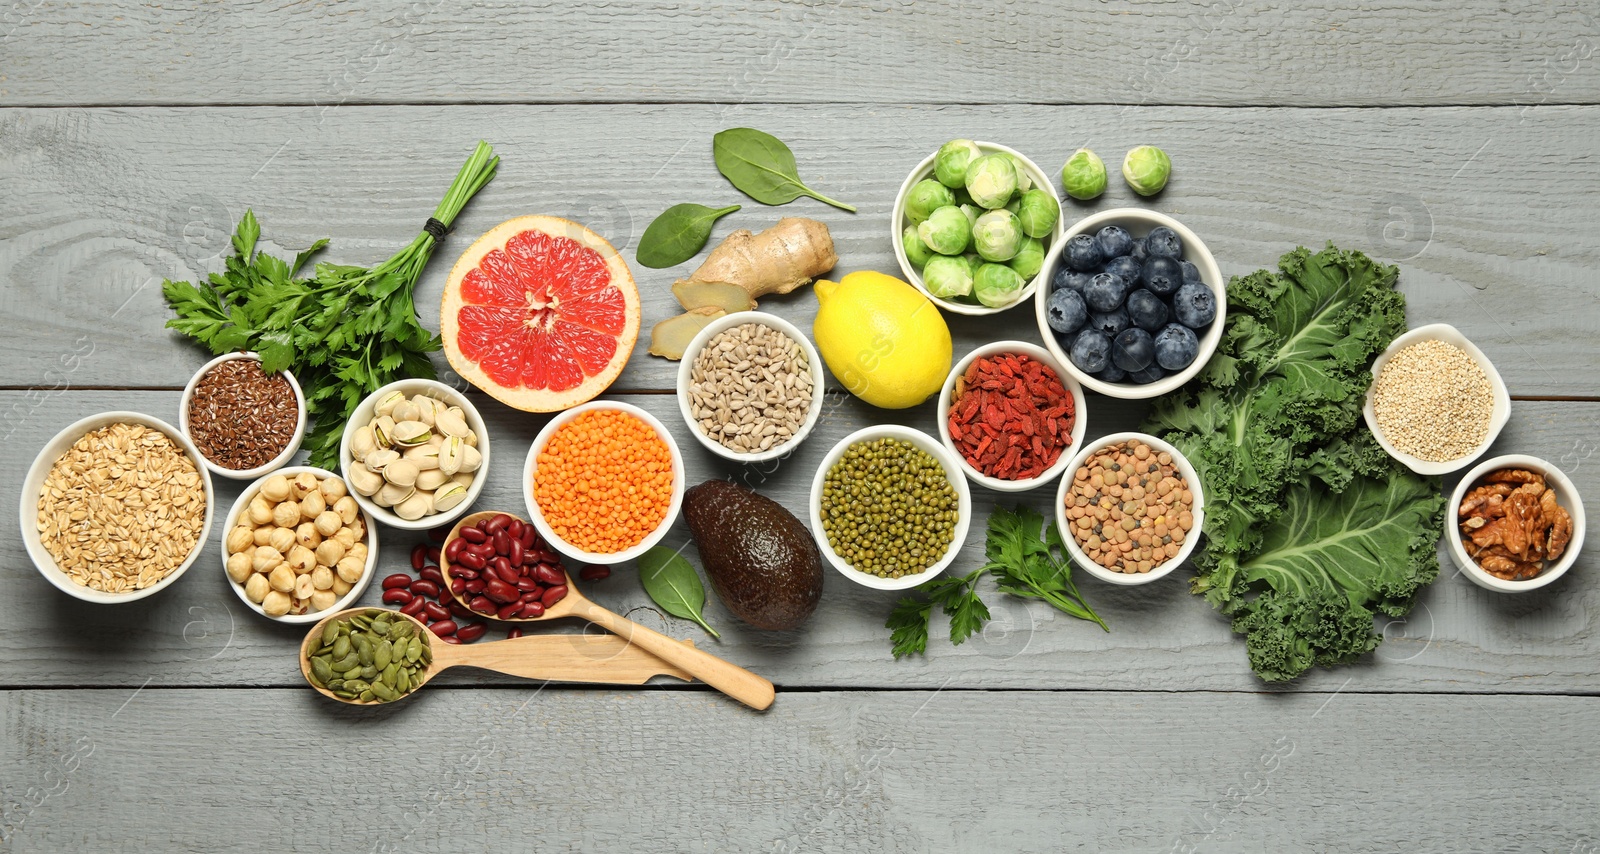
[(882, 338)]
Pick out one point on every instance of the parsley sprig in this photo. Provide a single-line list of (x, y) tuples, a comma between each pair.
[(1022, 563), (344, 332)]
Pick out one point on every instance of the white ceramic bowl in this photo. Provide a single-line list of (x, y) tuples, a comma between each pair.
[(898, 223), (1080, 419), (1566, 496), (271, 465), (530, 471), (716, 327), (33, 482), (1138, 222), (345, 601), (952, 470), (1497, 417), (363, 416), (1191, 479)]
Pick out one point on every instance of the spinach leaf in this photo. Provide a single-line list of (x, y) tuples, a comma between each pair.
[(674, 585), (762, 167), (678, 233)]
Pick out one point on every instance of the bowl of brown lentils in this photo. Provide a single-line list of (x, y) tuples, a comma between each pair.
[(890, 507), (245, 422), (750, 386), (1131, 508)]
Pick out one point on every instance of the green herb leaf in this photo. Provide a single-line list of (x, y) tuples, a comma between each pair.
[(673, 584), (909, 624), (678, 233), (762, 167)]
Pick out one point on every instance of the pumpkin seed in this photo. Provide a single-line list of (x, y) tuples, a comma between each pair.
[(383, 692), (320, 670), (341, 647), (383, 655), (348, 663), (413, 652), (330, 632)]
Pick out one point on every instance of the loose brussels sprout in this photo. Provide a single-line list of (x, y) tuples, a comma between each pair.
[(926, 197), (1038, 212), (947, 276), (946, 231), (917, 252), (997, 235), (1084, 175), (997, 285), (1023, 181), (1029, 259), (1146, 169), (991, 180), (950, 164)]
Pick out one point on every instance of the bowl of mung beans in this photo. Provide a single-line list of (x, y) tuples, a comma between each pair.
[(1436, 403), (750, 386), (890, 507), (1131, 508)]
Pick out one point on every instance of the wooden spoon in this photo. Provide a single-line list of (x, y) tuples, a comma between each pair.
[(597, 659), (730, 679)]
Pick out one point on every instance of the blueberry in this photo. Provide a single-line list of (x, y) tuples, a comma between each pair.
[(1066, 312), (1191, 273), (1078, 281), (1125, 267), (1106, 291), (1083, 253), (1194, 305), (1138, 253), (1111, 323), (1114, 241), (1176, 347), (1112, 374), (1149, 375), (1146, 310), (1133, 350), (1161, 275), (1091, 352), (1165, 242)]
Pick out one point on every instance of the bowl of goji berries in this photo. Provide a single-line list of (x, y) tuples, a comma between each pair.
[(1012, 416)]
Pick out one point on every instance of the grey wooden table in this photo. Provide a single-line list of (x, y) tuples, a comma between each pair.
[(1461, 141)]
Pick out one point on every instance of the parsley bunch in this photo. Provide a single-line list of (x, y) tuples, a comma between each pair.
[(1023, 565), (344, 332)]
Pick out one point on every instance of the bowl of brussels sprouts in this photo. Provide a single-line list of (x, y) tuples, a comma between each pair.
[(972, 226)]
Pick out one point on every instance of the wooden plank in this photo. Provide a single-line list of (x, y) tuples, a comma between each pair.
[(940, 51), (915, 771), (1460, 637), (104, 203)]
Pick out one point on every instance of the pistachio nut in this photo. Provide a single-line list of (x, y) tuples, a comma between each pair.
[(387, 404), (451, 454), (393, 493), (409, 434), (364, 480), (378, 459), (427, 408), (462, 477), (471, 458), (416, 506), (405, 410), (431, 479), (425, 457), (362, 442), (383, 431), (449, 497), (401, 473), (452, 424)]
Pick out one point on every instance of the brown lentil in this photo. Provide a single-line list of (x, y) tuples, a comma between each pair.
[(888, 508), (240, 417), (750, 388), (1129, 508), (1433, 401)]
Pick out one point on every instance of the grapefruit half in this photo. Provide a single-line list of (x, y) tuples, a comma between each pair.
[(541, 313)]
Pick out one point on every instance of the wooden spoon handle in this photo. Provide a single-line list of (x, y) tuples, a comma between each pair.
[(598, 659), (730, 679)]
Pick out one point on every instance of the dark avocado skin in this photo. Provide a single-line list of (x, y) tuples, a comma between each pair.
[(761, 560)]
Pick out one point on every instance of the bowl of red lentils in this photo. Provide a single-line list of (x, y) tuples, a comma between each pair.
[(603, 482), (1131, 507), (1011, 415), (245, 422), (1436, 403)]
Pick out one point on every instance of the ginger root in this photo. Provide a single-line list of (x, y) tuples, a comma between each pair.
[(729, 298), (670, 337), (776, 261)]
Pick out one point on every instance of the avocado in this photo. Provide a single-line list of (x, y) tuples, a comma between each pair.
[(761, 560)]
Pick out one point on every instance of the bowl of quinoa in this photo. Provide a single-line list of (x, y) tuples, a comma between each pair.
[(1436, 402)]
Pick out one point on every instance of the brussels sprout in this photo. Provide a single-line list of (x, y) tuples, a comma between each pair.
[(946, 231), (1029, 259), (1084, 175), (963, 197), (972, 212), (1015, 204), (1146, 169), (917, 252), (950, 164), (1023, 181), (997, 285), (947, 276), (926, 197), (997, 235), (991, 181), (1038, 212)]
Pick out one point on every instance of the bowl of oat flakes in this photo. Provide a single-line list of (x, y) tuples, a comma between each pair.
[(116, 507)]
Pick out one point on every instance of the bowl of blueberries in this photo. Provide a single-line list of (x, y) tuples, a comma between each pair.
[(1135, 304)]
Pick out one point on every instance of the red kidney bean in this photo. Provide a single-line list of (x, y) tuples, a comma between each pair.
[(530, 536), (530, 557), (532, 610), (439, 534), (547, 556), (472, 535), (553, 595), (414, 608), (458, 586), (436, 611), (527, 585), (514, 530), (476, 585), (497, 524), (443, 628), (463, 573), (500, 591), (432, 573), (595, 572), (502, 543), (471, 632), (458, 610), (470, 560), (433, 554), (483, 550), (453, 551), (514, 633), (507, 612), (397, 596), (399, 579), (502, 565), (508, 575), (549, 576), (533, 595), (419, 556), (423, 587), (452, 639), (515, 553)]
